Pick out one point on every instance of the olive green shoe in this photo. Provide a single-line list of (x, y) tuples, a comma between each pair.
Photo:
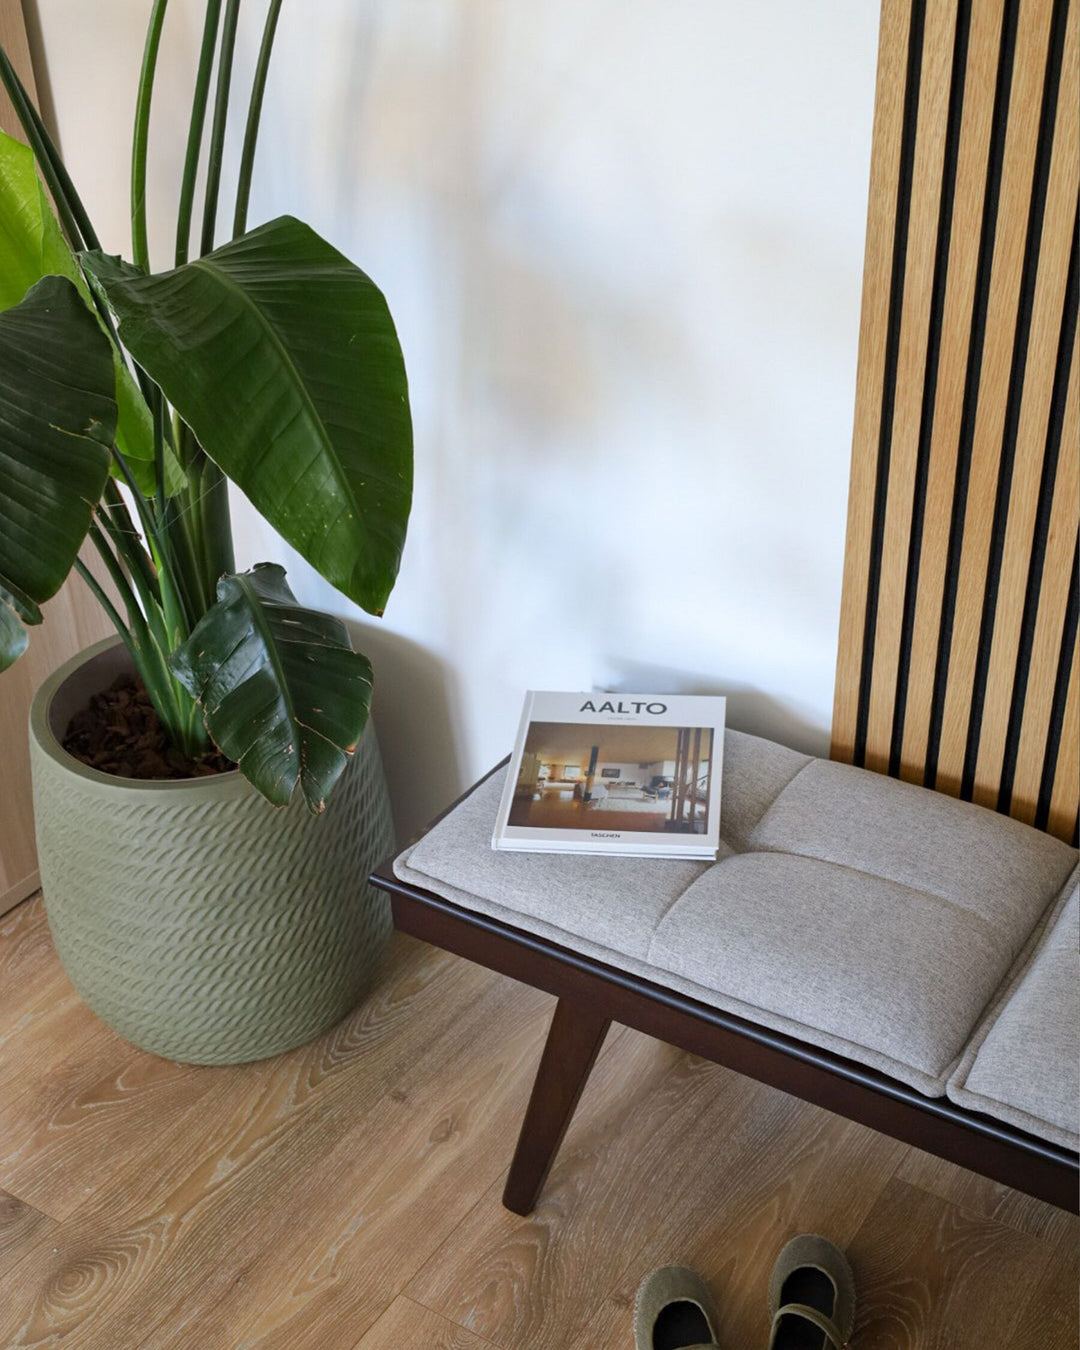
[(674, 1310), (811, 1297)]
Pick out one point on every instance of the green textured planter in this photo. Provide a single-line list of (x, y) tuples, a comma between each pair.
[(197, 920)]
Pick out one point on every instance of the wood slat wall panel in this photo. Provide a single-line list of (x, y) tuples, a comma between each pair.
[(877, 272), (993, 390), (1048, 314), (961, 527), (13, 40), (955, 338), (1062, 817), (919, 273), (1052, 607)]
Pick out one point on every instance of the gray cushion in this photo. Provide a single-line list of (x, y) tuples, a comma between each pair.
[(1023, 1063), (847, 909), (877, 971), (616, 902), (996, 867), (754, 773)]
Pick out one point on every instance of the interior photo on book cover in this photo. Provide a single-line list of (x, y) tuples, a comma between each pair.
[(633, 774), (582, 776)]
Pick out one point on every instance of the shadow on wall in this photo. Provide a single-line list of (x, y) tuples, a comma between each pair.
[(414, 694), (748, 709)]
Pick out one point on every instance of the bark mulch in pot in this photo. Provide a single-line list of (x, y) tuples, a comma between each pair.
[(120, 733)]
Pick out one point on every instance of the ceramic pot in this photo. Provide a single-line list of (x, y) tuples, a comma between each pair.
[(197, 920)]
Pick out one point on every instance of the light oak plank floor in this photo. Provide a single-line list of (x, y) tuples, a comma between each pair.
[(346, 1196)]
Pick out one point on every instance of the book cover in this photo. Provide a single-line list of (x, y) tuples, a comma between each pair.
[(634, 774)]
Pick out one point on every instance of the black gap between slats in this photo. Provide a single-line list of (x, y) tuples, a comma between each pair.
[(972, 377), (1042, 530), (930, 380), (1014, 399), (1061, 691), (892, 344)]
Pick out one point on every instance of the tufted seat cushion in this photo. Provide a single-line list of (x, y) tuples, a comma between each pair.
[(846, 909), (1022, 1064)]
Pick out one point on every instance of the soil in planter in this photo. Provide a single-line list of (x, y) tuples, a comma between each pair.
[(120, 733)]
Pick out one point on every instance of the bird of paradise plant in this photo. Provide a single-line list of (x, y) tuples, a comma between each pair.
[(129, 399)]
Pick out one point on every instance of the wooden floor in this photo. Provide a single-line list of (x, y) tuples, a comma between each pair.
[(346, 1196)]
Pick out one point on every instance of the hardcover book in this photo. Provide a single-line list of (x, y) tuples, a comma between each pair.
[(636, 774)]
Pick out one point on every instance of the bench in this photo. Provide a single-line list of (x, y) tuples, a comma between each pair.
[(901, 958)]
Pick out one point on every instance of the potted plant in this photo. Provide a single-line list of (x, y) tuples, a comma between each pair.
[(214, 917)]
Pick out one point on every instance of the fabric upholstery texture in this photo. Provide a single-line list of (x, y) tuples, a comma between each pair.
[(847, 909), (1022, 1065)]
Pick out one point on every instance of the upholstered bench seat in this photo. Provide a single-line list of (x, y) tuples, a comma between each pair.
[(930, 939)]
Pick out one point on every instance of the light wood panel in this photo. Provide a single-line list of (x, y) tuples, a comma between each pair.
[(407, 1324), (929, 1273), (72, 620), (919, 270), (956, 640), (347, 1194), (13, 40)]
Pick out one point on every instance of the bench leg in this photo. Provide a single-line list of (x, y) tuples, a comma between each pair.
[(573, 1042)]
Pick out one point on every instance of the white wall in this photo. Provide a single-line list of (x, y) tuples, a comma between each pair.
[(622, 240)]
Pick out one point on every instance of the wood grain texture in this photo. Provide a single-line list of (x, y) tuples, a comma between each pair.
[(925, 204), (405, 1323), (984, 43), (348, 1193), (885, 146), (719, 1195), (956, 407), (931, 1274), (1049, 1315), (13, 40), (1048, 308), (985, 1198), (1021, 140), (1050, 621), (19, 1223), (1063, 802)]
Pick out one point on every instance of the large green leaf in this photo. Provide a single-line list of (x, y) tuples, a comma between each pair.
[(13, 639), (31, 247), (57, 420), (281, 690), (281, 356)]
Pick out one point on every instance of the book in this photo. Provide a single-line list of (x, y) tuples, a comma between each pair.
[(633, 774)]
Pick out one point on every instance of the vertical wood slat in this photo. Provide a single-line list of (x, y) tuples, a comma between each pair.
[(1062, 819), (977, 118), (935, 83), (14, 42), (953, 584), (1048, 307), (884, 174), (1002, 307), (1053, 601)]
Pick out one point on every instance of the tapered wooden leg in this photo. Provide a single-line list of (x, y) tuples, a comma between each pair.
[(573, 1042)]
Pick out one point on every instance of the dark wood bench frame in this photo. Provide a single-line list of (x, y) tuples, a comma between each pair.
[(592, 995)]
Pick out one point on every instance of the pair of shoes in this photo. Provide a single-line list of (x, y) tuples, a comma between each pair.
[(811, 1300)]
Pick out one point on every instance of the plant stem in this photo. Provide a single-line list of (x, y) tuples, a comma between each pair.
[(157, 410), (139, 247), (251, 131), (73, 218), (217, 134), (138, 569), (107, 605), (136, 619), (180, 606), (118, 522), (195, 130)]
